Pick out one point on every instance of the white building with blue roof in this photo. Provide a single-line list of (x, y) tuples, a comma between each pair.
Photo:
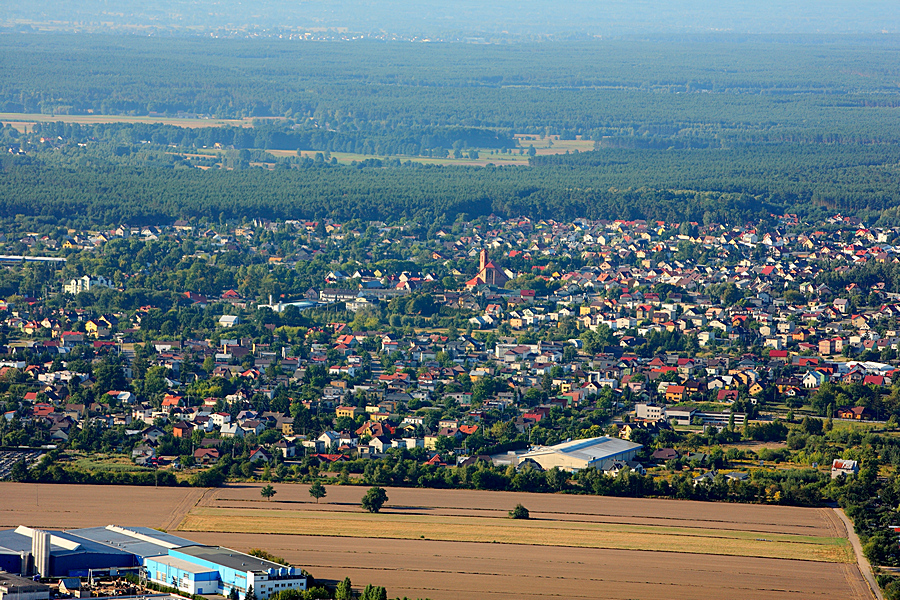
[(217, 570)]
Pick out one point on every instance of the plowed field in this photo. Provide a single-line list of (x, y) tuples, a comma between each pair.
[(447, 545)]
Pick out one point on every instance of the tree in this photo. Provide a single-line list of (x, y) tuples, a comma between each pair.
[(445, 444), (373, 592), (250, 595), (374, 499), (519, 512), (233, 594), (317, 490), (19, 472), (267, 492), (344, 590)]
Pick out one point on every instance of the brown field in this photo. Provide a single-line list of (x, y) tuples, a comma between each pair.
[(23, 121), (386, 549), (73, 506), (588, 522), (461, 570)]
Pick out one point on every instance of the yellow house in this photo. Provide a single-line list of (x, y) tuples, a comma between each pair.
[(477, 375), (96, 329), (379, 416), (348, 411)]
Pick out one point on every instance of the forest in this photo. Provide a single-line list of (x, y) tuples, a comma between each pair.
[(707, 129), (709, 186)]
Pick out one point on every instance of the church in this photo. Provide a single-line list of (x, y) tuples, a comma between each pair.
[(488, 273)]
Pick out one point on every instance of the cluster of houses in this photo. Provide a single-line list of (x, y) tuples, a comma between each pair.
[(638, 280)]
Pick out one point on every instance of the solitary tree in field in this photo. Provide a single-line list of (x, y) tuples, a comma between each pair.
[(374, 499), (267, 492), (317, 490), (519, 512)]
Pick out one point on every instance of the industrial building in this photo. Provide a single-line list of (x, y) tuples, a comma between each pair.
[(215, 570), (13, 587), (575, 455), (58, 554), (165, 559)]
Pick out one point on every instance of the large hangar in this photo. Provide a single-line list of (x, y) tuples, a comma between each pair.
[(575, 455)]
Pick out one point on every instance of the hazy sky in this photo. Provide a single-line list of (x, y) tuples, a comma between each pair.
[(436, 18)]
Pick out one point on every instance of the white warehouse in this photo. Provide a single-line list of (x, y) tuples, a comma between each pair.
[(575, 455)]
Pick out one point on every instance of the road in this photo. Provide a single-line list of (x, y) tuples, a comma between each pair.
[(864, 567)]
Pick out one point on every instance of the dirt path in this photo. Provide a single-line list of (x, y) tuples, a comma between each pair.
[(862, 562), (181, 510)]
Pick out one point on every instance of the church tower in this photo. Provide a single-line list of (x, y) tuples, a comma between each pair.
[(482, 262)]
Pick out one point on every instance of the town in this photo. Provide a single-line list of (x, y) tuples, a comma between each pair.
[(494, 341)]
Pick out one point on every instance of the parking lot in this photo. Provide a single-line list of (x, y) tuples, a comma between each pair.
[(10, 457)]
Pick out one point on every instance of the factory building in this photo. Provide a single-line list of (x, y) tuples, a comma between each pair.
[(57, 554), (575, 455), (165, 559), (215, 570), (13, 587)]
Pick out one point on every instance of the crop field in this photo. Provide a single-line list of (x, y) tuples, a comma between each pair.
[(512, 159), (553, 145), (448, 544), (589, 522), (24, 121), (72, 506), (459, 570), (543, 532)]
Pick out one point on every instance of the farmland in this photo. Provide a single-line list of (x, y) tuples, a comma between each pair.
[(449, 544), (73, 506), (24, 121)]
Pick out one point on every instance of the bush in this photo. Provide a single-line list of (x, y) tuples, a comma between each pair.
[(519, 512)]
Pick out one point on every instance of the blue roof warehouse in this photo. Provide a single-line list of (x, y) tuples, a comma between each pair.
[(166, 559)]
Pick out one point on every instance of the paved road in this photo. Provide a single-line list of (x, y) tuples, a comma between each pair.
[(864, 567)]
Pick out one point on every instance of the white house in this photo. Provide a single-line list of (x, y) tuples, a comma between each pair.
[(229, 320), (86, 283)]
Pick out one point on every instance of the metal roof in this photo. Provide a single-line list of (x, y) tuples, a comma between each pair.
[(141, 541), (230, 558), (61, 544), (589, 450)]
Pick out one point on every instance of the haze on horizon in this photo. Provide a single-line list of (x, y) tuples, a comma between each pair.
[(432, 19)]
